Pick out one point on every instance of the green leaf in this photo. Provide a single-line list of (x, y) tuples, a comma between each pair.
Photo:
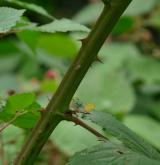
[(106, 91), (30, 38), (124, 25), (19, 102), (62, 25), (24, 24), (9, 57), (116, 60), (32, 7), (25, 121), (124, 134), (29, 119), (58, 45), (145, 69), (8, 18), (89, 13), (139, 7), (104, 84), (7, 48), (49, 85), (22, 110), (144, 126), (110, 154), (51, 61)]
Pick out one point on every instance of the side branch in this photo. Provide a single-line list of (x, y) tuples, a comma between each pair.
[(87, 127)]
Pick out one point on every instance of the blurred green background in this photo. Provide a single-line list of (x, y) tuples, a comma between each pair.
[(126, 85)]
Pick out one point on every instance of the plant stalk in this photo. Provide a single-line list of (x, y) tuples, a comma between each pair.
[(61, 99), (79, 122)]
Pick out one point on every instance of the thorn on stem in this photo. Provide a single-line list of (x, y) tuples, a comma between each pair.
[(83, 40), (107, 2), (42, 111), (98, 59), (78, 67)]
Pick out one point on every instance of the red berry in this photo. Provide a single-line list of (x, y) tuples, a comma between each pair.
[(50, 74)]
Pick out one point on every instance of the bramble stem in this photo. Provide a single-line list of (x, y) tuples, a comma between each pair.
[(60, 101)]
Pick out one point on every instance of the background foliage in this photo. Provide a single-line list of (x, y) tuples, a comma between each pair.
[(33, 62)]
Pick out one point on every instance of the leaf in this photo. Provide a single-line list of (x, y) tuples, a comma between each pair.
[(70, 138), (106, 91), (110, 154), (51, 61), (146, 127), (30, 38), (24, 24), (116, 60), (145, 69), (135, 8), (58, 45), (8, 18), (62, 25), (89, 13), (7, 48), (25, 121), (124, 25), (124, 134), (49, 85), (32, 7), (19, 102), (29, 119), (22, 110), (110, 81)]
